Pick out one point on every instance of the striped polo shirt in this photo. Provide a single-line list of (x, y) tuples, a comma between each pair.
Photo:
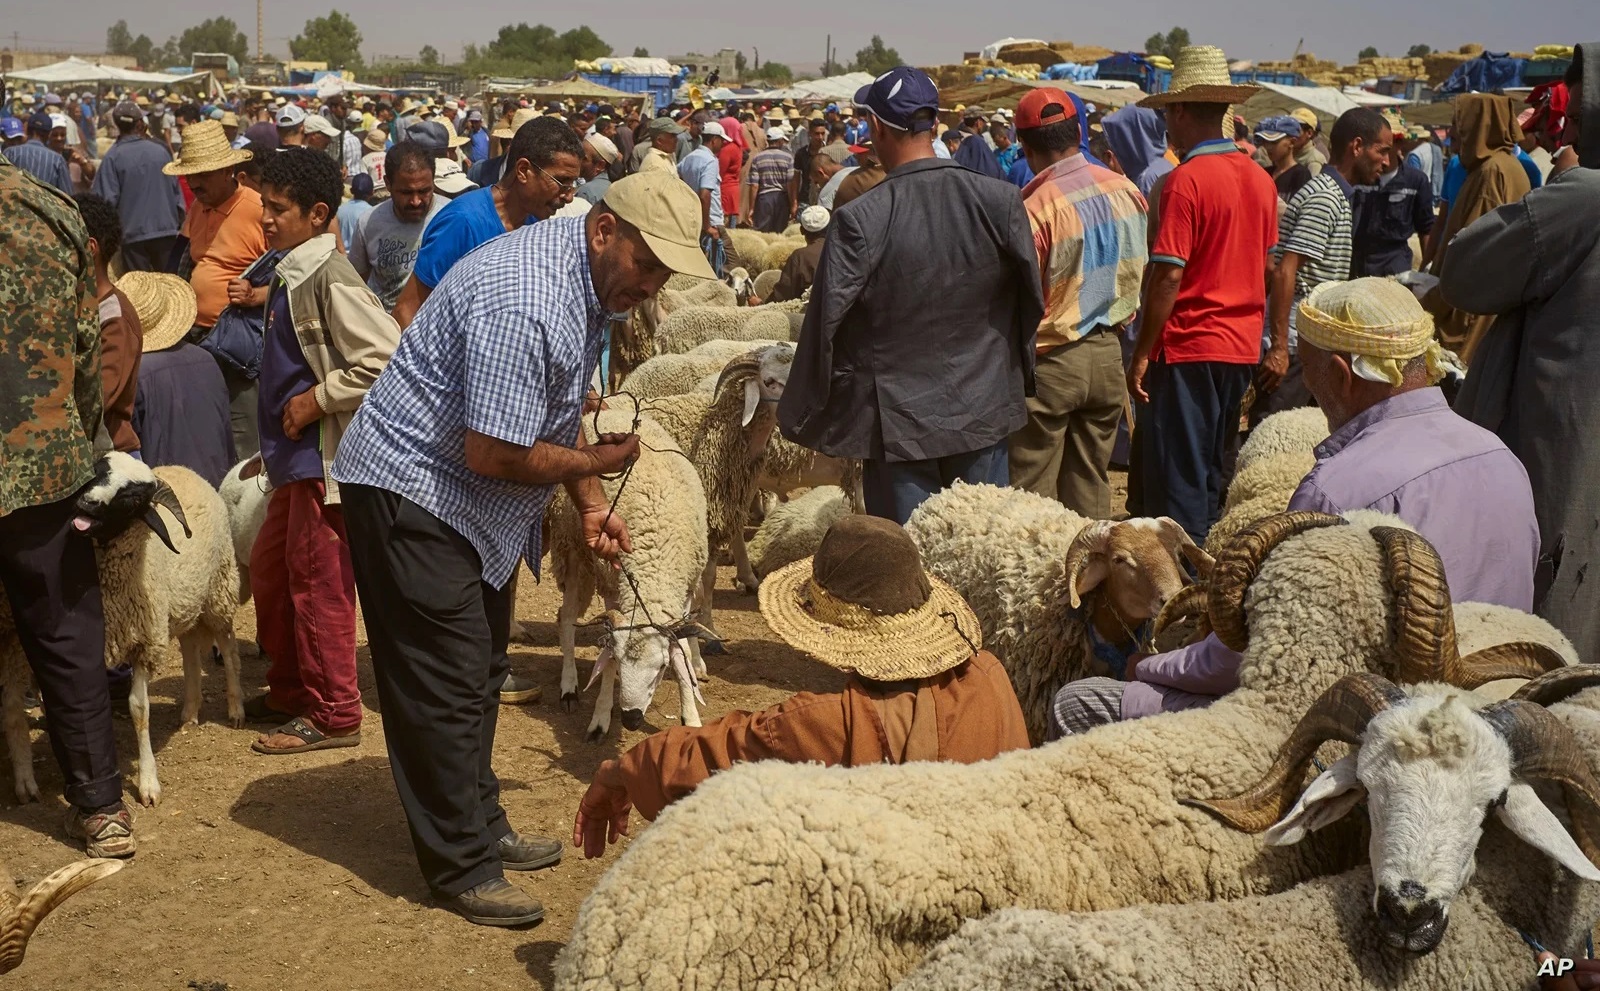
[(1316, 224)]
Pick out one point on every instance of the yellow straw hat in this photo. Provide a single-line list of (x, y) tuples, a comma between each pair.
[(206, 148), (456, 140), (1200, 75), (165, 305), (865, 604), (508, 131)]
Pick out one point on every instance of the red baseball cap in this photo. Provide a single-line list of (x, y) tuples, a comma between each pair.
[(1031, 109)]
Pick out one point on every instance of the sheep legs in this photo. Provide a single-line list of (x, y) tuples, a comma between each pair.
[(708, 584), (745, 575), (600, 722), (577, 588), (17, 739), (195, 646), (139, 709)]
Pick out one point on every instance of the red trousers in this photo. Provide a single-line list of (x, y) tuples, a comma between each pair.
[(305, 593)]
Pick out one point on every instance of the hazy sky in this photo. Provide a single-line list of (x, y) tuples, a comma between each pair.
[(926, 32)]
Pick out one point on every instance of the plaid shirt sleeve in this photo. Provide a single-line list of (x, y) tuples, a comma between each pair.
[(505, 386)]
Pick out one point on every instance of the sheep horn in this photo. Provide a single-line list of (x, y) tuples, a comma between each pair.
[(745, 364), (1558, 685), (18, 919), (1340, 713), (1543, 748), (1178, 539), (165, 497), (1518, 659), (1189, 602), (1424, 622), (1236, 567), (1091, 540)]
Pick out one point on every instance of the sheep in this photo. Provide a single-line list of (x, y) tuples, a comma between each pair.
[(674, 374), (789, 467), (747, 247), (650, 598), (644, 321), (807, 877), (793, 530), (1439, 769), (765, 282), (20, 916), (1047, 583), (246, 491), (1263, 488), (726, 434), (158, 586), (777, 253), (694, 325)]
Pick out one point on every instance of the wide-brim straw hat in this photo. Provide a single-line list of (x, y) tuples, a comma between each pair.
[(925, 639), (507, 131), (456, 140), (376, 139), (1200, 75), (165, 305), (206, 148)]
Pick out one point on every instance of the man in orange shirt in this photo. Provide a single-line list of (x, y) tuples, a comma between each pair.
[(224, 232)]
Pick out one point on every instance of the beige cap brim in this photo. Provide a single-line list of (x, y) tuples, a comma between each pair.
[(683, 259)]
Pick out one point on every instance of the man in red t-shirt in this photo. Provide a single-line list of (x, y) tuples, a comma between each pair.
[(1205, 305)]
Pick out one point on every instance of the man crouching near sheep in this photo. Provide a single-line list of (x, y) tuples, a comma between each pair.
[(920, 687), (1369, 358), (446, 473)]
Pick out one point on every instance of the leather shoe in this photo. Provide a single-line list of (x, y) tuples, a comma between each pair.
[(495, 903), (528, 853)]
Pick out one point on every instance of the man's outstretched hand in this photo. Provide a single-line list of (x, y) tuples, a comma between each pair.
[(603, 813)]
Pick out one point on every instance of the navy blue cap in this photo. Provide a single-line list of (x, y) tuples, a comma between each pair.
[(429, 134), (898, 94), (361, 186), (40, 123)]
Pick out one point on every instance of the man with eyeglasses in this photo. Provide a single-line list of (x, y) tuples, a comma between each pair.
[(542, 173)]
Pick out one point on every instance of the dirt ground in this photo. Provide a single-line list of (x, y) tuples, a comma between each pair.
[(286, 873)]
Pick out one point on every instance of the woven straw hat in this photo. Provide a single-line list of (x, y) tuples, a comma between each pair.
[(206, 148), (165, 304), (1200, 75), (865, 604), (521, 117), (456, 140), (376, 139)]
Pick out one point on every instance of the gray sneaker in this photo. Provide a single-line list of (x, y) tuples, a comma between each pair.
[(519, 691), (106, 832), (495, 903), (528, 853)]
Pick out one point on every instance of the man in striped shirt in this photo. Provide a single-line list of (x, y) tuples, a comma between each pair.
[(1314, 246), (36, 157), (1089, 230)]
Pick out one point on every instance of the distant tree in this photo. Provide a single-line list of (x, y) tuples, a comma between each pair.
[(875, 58), (1168, 44), (118, 39), (1418, 51), (582, 43), (429, 56), (1366, 53), (777, 73), (831, 68), (640, 51), (333, 39), (217, 34), (739, 63)]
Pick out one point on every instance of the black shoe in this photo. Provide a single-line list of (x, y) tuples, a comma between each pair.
[(519, 691), (528, 853), (495, 903)]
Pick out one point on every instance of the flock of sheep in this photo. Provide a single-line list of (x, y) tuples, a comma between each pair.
[(1215, 848)]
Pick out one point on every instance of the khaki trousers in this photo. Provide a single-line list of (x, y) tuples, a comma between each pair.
[(1065, 449)]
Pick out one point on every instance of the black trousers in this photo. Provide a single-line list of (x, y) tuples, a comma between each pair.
[(1180, 441), (438, 637), (148, 256), (53, 585)]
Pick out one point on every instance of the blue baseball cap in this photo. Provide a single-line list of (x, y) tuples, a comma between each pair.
[(831, 108), (430, 135), (1277, 128), (40, 123), (10, 127), (897, 95)]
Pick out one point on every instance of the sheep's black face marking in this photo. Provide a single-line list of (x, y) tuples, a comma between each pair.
[(111, 504)]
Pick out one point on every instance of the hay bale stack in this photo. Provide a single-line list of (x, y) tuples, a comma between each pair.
[(1028, 54)]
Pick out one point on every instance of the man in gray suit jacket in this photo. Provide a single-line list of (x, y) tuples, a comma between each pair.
[(917, 350)]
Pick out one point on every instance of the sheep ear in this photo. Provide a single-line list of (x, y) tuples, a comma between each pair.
[(693, 629), (1538, 827), (1335, 792), (607, 658), (752, 400)]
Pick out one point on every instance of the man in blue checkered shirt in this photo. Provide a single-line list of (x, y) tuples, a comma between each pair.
[(445, 475)]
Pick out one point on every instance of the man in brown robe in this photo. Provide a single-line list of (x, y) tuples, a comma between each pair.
[(919, 687)]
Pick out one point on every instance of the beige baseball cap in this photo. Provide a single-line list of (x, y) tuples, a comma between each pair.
[(667, 213)]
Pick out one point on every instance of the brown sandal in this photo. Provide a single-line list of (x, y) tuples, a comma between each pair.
[(311, 739)]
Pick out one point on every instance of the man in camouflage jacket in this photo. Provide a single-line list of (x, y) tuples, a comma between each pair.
[(50, 409)]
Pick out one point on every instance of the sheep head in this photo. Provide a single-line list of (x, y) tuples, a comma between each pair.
[(19, 917), (125, 490), (1139, 561), (743, 286), (759, 379), (643, 652), (1431, 765)]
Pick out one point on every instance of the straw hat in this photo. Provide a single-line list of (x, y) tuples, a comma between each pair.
[(1200, 75), (508, 131), (456, 140), (206, 148), (865, 604), (165, 305), (376, 139)]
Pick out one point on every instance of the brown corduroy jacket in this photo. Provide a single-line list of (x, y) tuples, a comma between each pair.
[(967, 714)]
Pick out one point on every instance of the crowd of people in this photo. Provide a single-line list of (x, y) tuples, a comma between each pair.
[(397, 310)]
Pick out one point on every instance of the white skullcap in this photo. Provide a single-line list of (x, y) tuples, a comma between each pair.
[(604, 147), (814, 219)]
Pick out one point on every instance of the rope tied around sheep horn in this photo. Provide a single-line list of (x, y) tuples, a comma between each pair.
[(20, 917)]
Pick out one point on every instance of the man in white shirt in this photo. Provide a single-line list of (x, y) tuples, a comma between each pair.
[(699, 169)]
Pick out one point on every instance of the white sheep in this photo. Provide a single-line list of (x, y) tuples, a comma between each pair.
[(748, 247), (20, 916), (1274, 459), (793, 530), (1443, 772), (674, 374), (691, 326), (159, 584), (765, 282), (726, 434), (1291, 431), (651, 599), (246, 499), (808, 877), (1047, 584)]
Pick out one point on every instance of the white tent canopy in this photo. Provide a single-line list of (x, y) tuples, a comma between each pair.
[(1327, 102), (76, 70), (832, 89)]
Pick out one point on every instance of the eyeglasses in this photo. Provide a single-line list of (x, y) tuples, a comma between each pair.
[(561, 187)]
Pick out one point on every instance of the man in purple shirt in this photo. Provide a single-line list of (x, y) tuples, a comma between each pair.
[(1367, 351)]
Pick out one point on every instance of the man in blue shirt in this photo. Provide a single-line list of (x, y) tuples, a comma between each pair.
[(699, 169), (445, 476), (148, 201), (36, 158), (540, 178), (477, 137)]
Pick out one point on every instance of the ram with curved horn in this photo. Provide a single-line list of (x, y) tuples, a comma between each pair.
[(758, 856), (19, 917)]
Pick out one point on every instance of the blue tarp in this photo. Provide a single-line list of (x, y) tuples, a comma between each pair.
[(1487, 73), (1072, 71)]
